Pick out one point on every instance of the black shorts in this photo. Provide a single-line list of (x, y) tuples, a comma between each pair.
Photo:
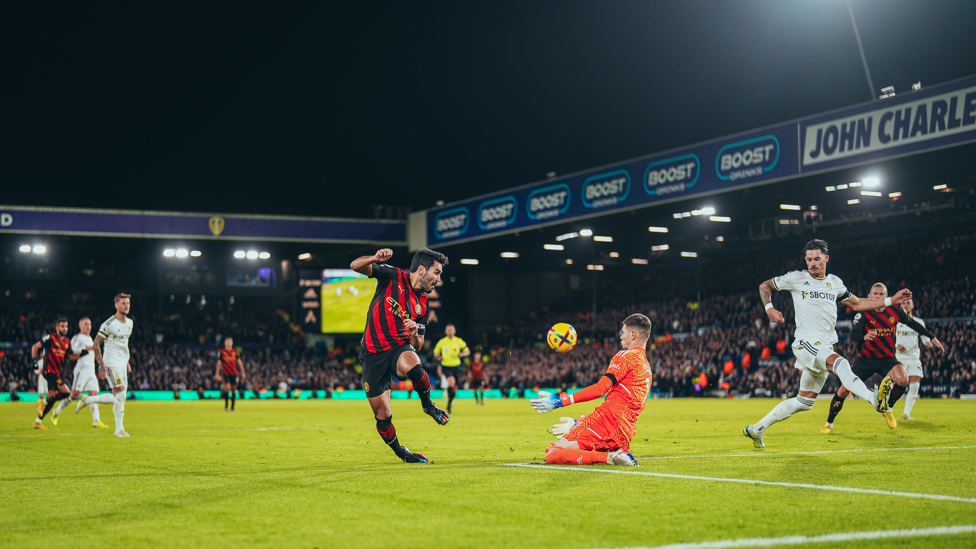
[(454, 372), (230, 379), (53, 381), (477, 383), (864, 368), (379, 368)]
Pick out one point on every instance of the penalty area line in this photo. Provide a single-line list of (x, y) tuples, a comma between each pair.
[(827, 538), (761, 454), (746, 481)]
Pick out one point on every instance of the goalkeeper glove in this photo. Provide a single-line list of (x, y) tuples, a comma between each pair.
[(547, 402), (566, 425)]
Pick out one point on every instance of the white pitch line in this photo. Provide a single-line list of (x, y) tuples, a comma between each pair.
[(761, 454), (828, 538), (746, 481)]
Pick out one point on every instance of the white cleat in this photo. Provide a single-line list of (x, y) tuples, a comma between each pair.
[(123, 434), (82, 402), (621, 457), (907, 417)]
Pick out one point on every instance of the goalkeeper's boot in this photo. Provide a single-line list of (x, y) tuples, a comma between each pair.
[(410, 457), (826, 428), (882, 394), (622, 457), (99, 425), (82, 402), (890, 419), (757, 440), (440, 416)]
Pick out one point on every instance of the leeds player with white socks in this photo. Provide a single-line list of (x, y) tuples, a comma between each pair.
[(84, 380), (815, 297), (909, 354), (114, 362)]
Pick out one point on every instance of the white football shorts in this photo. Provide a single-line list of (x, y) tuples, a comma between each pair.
[(116, 376), (85, 380), (913, 367), (41, 385)]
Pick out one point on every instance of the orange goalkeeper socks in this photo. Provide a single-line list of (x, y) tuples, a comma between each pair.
[(569, 456)]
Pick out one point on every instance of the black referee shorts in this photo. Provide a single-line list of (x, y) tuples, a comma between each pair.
[(379, 368), (864, 368)]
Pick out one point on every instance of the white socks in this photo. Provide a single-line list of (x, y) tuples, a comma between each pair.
[(912, 396), (94, 409), (60, 407), (851, 382), (104, 398), (782, 411), (119, 410)]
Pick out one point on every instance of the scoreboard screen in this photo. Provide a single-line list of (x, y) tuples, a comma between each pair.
[(345, 296)]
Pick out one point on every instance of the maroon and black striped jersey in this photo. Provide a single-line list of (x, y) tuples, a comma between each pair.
[(885, 326), (228, 362), (394, 300), (56, 350)]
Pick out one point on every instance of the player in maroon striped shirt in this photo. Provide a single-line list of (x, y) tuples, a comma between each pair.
[(230, 370), (875, 332), (57, 350), (395, 327)]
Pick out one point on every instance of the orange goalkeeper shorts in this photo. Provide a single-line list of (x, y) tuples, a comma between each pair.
[(603, 431)]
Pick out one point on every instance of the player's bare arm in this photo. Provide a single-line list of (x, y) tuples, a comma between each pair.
[(867, 304), (364, 264), (98, 355), (766, 290), (217, 372), (34, 350), (240, 366)]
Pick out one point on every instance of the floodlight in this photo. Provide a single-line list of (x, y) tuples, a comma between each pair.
[(39, 248), (603, 239), (789, 207), (586, 232), (182, 252), (689, 254), (637, 261), (719, 218), (557, 247), (510, 255), (25, 248), (195, 253), (469, 262), (657, 229), (239, 254), (264, 255), (252, 254)]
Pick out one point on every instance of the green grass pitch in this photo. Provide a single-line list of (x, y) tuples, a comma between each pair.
[(316, 474)]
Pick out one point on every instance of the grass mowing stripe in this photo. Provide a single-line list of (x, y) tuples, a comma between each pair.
[(761, 454), (746, 481), (828, 538)]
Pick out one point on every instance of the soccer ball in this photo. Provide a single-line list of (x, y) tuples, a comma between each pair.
[(561, 338)]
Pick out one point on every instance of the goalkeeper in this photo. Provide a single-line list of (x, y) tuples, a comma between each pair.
[(605, 435)]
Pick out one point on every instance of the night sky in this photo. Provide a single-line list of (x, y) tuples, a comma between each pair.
[(325, 111)]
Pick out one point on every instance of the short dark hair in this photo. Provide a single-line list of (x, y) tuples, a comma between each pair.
[(639, 323), (120, 297), (427, 257), (60, 320), (816, 244)]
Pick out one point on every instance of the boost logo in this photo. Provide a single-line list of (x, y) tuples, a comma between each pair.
[(671, 175), (497, 213), (606, 189), (548, 202), (747, 158), (451, 223)]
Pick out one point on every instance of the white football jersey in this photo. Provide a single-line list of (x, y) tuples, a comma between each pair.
[(908, 338), (815, 302), (79, 343), (116, 335)]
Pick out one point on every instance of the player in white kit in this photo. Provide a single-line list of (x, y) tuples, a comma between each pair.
[(84, 379), (114, 362), (41, 385), (815, 298), (909, 354)]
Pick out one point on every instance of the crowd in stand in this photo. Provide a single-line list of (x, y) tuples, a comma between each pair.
[(724, 343)]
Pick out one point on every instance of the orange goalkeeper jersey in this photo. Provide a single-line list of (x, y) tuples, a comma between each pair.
[(633, 375)]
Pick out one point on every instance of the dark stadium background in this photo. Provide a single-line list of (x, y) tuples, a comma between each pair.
[(369, 111)]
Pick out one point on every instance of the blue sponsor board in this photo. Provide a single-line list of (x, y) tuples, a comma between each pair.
[(912, 122), (939, 116), (497, 213), (148, 224), (742, 160)]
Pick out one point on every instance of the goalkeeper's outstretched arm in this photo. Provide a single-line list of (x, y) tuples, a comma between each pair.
[(547, 402)]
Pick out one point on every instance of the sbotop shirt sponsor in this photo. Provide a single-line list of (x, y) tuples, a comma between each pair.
[(116, 334)]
